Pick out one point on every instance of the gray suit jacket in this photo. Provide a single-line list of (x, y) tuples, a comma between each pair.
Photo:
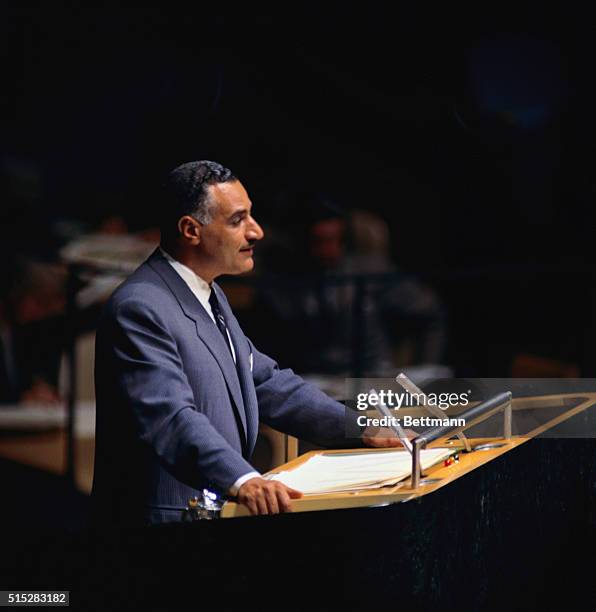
[(170, 400)]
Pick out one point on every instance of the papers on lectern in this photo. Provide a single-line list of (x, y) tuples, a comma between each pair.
[(353, 471)]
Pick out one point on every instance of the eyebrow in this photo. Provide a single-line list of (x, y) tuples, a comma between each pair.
[(240, 213)]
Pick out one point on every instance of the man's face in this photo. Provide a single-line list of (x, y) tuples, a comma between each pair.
[(326, 242), (226, 242)]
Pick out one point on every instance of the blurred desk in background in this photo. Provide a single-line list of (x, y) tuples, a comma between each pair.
[(36, 436)]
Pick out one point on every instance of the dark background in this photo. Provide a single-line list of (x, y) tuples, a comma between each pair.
[(470, 133)]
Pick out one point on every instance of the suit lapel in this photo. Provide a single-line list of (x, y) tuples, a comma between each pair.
[(242, 351), (206, 330)]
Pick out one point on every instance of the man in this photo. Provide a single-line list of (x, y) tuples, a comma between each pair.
[(32, 331), (180, 389)]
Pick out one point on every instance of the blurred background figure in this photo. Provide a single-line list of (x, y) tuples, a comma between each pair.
[(32, 331), (339, 306)]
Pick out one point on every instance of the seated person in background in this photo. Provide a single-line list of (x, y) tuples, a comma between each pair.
[(32, 332), (412, 312), (321, 304)]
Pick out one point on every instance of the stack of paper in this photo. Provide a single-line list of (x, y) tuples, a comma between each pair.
[(332, 473)]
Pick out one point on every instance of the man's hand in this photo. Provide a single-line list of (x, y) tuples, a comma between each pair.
[(383, 437), (262, 496)]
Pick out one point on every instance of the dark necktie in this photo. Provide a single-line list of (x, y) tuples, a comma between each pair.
[(221, 325), (219, 319)]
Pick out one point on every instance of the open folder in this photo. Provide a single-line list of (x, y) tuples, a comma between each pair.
[(352, 471)]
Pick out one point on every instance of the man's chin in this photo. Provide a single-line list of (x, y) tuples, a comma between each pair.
[(246, 266), (249, 265)]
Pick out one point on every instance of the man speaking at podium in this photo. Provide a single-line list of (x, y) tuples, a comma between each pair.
[(180, 389)]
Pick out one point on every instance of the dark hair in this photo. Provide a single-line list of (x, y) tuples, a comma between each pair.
[(318, 206), (185, 193)]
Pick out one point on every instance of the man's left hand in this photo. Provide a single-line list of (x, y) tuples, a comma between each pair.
[(383, 437)]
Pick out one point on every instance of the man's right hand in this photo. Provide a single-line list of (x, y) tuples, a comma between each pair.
[(262, 496)]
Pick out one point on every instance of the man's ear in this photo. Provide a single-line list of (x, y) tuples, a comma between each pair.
[(189, 229)]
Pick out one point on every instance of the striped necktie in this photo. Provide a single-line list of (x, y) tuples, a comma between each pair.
[(221, 325), (219, 319)]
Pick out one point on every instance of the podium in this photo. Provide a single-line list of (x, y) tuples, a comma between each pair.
[(510, 527), (546, 414), (506, 528)]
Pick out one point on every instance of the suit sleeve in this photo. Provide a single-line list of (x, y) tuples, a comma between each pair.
[(289, 404), (150, 378)]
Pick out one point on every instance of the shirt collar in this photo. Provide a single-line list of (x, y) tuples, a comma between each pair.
[(200, 287)]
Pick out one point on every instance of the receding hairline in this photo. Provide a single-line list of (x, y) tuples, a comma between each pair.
[(212, 189)]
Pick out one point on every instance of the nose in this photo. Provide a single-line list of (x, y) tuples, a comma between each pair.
[(254, 230)]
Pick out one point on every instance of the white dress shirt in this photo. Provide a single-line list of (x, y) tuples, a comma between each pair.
[(202, 290)]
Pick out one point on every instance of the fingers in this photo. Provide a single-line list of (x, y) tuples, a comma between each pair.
[(393, 442), (382, 437), (266, 497), (262, 504), (377, 442), (285, 495), (293, 493), (271, 499), (251, 504), (382, 442)]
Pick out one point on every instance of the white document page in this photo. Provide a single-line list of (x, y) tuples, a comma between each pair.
[(331, 473)]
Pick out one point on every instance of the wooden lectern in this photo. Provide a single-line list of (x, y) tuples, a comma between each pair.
[(542, 415)]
